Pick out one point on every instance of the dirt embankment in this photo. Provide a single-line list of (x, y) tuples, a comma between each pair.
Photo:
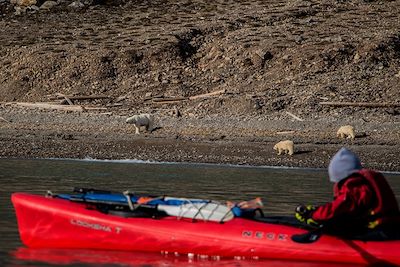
[(269, 60)]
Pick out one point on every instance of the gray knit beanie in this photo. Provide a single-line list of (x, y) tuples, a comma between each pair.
[(343, 163)]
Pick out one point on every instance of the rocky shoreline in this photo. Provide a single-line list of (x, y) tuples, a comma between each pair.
[(225, 80), (52, 134)]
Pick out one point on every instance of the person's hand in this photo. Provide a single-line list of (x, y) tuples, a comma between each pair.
[(304, 214)]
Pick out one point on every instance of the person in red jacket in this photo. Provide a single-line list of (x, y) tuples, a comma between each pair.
[(363, 201)]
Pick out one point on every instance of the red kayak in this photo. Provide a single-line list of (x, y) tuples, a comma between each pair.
[(46, 222)]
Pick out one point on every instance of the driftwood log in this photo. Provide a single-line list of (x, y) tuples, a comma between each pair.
[(294, 116), (285, 132), (215, 93), (360, 104), (167, 102), (44, 105), (66, 99), (78, 97), (168, 99), (174, 100)]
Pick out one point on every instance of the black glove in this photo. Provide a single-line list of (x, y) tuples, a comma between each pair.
[(304, 214)]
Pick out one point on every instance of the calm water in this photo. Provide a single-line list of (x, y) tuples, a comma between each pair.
[(281, 190)]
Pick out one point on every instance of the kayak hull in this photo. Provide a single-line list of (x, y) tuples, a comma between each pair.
[(56, 223), (92, 257)]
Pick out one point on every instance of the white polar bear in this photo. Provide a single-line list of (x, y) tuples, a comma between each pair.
[(140, 120), (284, 146), (346, 130)]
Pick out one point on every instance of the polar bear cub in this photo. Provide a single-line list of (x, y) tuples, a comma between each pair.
[(346, 131), (140, 120), (284, 146)]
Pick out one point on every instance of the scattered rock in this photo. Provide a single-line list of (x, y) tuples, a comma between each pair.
[(48, 5), (76, 4), (23, 3)]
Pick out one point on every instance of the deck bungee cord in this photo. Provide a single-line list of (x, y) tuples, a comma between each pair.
[(128, 204)]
